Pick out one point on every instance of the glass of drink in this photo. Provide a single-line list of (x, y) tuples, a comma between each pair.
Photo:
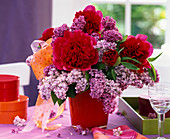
[(159, 96)]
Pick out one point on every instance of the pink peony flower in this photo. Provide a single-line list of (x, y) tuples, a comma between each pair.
[(93, 19), (74, 51), (138, 48), (48, 33)]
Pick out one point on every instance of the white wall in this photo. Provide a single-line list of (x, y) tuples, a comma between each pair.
[(63, 11)]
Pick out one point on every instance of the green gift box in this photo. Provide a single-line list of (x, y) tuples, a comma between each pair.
[(129, 106)]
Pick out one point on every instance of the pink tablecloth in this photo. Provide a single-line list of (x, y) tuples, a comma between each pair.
[(66, 131)]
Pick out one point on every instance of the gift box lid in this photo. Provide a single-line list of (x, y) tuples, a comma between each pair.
[(16, 105), (8, 81)]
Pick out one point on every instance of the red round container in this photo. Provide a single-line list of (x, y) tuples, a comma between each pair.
[(87, 111), (9, 88), (9, 110)]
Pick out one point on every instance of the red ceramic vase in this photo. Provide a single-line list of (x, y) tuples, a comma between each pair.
[(87, 111)]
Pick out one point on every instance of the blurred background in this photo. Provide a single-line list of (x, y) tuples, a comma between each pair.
[(22, 21)]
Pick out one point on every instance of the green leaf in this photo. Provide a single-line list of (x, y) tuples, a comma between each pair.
[(113, 74), (129, 58), (124, 39), (118, 47), (99, 66), (61, 101), (55, 99), (71, 91), (117, 62), (152, 72), (39, 46), (87, 76), (129, 66), (154, 58), (121, 50), (109, 75), (87, 87), (98, 49)]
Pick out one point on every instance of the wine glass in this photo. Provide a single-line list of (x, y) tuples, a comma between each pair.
[(159, 96)]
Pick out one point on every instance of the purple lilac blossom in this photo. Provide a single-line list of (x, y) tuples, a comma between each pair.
[(157, 76), (103, 46), (112, 36), (126, 77), (29, 59), (47, 69), (81, 131), (78, 77), (108, 23), (103, 89), (59, 82), (52, 114), (108, 97), (59, 32), (152, 115), (96, 36), (19, 122), (144, 78), (55, 82), (97, 83), (78, 24)]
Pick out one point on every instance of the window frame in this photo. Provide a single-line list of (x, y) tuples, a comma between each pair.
[(128, 7)]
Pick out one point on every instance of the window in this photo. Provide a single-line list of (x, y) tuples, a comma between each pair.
[(137, 17)]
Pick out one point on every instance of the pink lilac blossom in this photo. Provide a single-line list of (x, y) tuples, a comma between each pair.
[(59, 32), (29, 59), (144, 78), (103, 46), (96, 36), (97, 83), (112, 36), (47, 69), (109, 23), (108, 97), (59, 82), (103, 89), (78, 23), (152, 115), (80, 130), (126, 77), (52, 114), (19, 122), (78, 77), (54, 82)]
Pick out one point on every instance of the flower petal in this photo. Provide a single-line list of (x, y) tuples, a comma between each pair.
[(141, 37)]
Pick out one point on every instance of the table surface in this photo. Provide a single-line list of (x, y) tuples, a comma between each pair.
[(66, 131)]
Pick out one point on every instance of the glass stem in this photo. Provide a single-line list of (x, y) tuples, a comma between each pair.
[(161, 120)]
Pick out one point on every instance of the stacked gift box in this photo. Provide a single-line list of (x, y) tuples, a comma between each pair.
[(11, 103)]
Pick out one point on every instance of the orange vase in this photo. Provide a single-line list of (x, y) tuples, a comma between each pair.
[(87, 111)]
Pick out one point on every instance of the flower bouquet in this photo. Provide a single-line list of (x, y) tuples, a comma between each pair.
[(93, 60)]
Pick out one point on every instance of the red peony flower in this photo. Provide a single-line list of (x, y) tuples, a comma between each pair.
[(48, 33), (137, 48), (110, 57), (93, 19), (74, 51)]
